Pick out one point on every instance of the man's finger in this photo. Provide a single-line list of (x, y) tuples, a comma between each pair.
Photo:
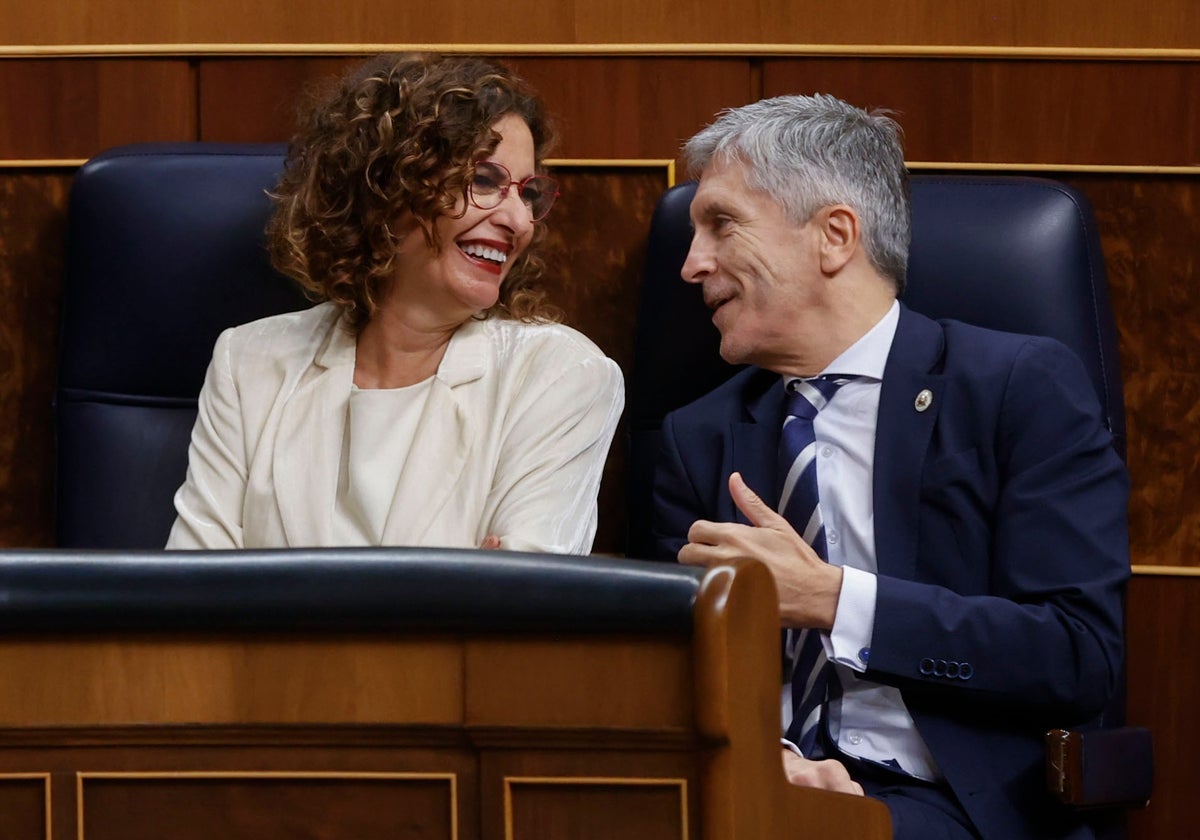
[(757, 511), (696, 554)]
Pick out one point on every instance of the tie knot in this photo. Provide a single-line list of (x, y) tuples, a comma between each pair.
[(805, 397)]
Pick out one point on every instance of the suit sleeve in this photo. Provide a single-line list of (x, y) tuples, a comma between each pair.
[(548, 477), (209, 504), (676, 503), (1044, 637)]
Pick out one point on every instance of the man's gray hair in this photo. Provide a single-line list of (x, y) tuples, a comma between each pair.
[(809, 152)]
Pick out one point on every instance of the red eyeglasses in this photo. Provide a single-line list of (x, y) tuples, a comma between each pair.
[(492, 181)]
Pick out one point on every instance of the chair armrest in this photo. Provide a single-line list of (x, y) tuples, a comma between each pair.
[(1100, 768)]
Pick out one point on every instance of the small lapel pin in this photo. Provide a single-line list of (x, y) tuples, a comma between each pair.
[(923, 400)]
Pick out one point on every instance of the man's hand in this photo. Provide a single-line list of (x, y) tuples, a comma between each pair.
[(826, 775), (808, 586)]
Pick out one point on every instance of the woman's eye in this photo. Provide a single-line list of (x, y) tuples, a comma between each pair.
[(484, 182)]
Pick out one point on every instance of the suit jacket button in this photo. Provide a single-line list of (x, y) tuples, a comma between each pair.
[(965, 671), (939, 668), (926, 666)]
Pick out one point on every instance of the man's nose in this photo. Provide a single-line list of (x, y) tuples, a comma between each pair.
[(699, 262)]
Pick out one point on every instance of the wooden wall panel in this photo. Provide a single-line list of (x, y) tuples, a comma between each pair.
[(1125, 23), (586, 810), (1147, 227), (1164, 692), (1017, 111), (628, 107), (595, 248), (32, 231), (257, 100), (74, 109), (186, 807), (604, 107), (23, 808)]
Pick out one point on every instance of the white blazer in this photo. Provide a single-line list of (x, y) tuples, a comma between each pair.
[(511, 442)]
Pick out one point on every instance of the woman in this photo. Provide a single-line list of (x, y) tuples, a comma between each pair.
[(430, 399)]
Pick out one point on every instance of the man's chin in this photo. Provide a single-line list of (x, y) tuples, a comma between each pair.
[(732, 352)]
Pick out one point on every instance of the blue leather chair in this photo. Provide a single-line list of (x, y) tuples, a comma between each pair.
[(165, 250), (1010, 253)]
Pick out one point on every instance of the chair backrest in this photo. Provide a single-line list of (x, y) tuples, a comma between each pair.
[(165, 250), (1010, 253)]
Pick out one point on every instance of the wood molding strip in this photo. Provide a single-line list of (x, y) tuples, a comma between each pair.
[(615, 49), (48, 811), (669, 166), (1094, 168), (1165, 571)]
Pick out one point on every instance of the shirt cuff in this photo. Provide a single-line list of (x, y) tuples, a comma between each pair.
[(849, 642)]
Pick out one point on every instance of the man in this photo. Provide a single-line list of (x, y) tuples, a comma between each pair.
[(962, 593)]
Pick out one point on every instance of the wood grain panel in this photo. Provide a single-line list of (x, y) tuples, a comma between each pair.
[(1164, 692), (999, 23), (1167, 23), (498, 794), (1007, 111), (593, 809), (257, 100), (32, 232), (264, 807), (635, 107), (604, 107), (595, 249), (216, 682), (1148, 227), (23, 808), (513, 683), (70, 109)]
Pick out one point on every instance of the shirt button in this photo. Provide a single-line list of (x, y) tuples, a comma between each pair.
[(827, 451), (864, 654), (854, 738), (832, 538)]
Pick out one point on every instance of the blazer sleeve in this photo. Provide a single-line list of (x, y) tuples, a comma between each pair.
[(544, 492), (209, 503), (676, 503), (1044, 636)]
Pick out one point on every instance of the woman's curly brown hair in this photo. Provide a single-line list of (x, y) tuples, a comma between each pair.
[(401, 134)]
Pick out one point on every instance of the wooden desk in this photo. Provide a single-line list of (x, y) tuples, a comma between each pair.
[(317, 732)]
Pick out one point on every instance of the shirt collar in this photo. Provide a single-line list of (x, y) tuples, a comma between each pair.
[(867, 357)]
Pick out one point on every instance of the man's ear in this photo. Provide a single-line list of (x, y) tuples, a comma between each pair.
[(840, 233)]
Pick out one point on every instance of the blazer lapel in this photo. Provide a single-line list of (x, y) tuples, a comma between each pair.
[(755, 443), (443, 441), (902, 436), (308, 447)]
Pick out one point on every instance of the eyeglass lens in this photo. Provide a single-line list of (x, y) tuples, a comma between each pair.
[(491, 183)]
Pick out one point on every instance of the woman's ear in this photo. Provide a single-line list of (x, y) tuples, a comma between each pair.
[(840, 234)]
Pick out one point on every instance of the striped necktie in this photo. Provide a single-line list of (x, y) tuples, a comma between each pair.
[(799, 503)]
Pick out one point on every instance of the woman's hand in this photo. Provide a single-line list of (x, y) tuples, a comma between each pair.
[(491, 542)]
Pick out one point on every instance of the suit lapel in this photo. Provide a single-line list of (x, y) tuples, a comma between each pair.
[(755, 443), (903, 432), (308, 448)]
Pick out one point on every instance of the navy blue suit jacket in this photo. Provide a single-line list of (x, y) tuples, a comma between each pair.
[(1001, 542)]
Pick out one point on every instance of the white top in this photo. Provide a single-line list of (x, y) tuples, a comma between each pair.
[(380, 426), (870, 721), (511, 440)]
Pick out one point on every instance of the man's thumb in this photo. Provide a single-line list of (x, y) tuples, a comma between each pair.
[(752, 507)]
